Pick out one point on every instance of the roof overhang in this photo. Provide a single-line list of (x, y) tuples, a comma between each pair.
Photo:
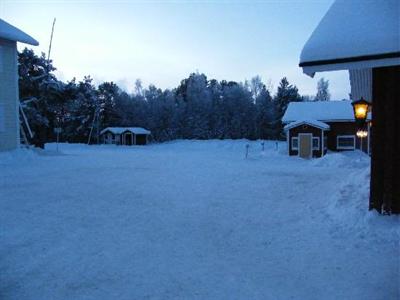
[(354, 35), (11, 33), (351, 63), (333, 121), (313, 123)]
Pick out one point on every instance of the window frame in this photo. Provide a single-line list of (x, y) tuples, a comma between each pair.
[(315, 138), (338, 147), (291, 143)]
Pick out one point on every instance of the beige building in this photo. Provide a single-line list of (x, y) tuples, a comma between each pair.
[(9, 94)]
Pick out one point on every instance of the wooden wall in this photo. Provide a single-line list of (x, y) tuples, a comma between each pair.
[(316, 132), (344, 128), (385, 140), (9, 97)]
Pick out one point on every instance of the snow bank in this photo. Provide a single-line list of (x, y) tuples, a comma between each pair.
[(346, 159), (348, 206)]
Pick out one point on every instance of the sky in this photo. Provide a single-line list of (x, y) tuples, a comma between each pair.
[(162, 42)]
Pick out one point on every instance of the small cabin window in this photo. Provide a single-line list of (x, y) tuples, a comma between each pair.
[(295, 143), (346, 142), (315, 143)]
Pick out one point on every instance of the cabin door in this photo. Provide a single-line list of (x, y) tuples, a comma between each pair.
[(305, 145), (128, 139)]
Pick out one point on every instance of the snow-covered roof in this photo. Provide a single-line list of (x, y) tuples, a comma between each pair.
[(354, 35), (324, 111), (11, 33), (120, 130), (313, 123)]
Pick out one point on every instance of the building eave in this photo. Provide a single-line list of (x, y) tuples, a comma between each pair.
[(350, 59)]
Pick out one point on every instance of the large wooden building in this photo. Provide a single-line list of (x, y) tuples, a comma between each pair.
[(312, 128), (125, 136), (9, 92), (363, 37)]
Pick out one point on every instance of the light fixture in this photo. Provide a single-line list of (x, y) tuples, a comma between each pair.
[(360, 109), (362, 133)]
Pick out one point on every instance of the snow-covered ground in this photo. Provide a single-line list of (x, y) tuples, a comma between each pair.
[(191, 220)]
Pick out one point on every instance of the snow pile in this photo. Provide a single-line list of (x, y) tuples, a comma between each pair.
[(348, 205), (347, 159)]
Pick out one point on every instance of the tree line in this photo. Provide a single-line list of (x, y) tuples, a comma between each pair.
[(199, 108)]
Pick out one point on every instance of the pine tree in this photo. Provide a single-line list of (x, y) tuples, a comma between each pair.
[(266, 115), (322, 90), (41, 94), (107, 93), (286, 93)]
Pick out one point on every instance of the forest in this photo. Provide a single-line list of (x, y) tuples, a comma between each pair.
[(199, 108)]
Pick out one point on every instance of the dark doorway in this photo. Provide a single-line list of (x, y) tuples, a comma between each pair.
[(128, 139), (141, 139)]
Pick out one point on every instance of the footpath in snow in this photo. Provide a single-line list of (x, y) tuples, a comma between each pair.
[(191, 220)]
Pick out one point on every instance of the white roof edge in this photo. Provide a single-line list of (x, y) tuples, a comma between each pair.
[(331, 121), (311, 70), (314, 123), (12, 33)]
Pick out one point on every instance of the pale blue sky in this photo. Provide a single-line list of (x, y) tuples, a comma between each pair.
[(162, 42)]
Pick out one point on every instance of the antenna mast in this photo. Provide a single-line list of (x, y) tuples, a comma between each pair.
[(51, 40)]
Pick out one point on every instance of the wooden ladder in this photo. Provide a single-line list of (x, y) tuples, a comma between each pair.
[(24, 124)]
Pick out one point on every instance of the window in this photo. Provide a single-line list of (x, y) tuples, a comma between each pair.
[(315, 143), (345, 142), (295, 143)]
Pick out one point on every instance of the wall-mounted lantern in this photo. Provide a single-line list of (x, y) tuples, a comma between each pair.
[(361, 108)]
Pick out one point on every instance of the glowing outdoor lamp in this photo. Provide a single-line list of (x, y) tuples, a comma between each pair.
[(362, 133), (360, 108)]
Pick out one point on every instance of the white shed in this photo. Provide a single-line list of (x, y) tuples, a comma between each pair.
[(9, 93), (125, 136)]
